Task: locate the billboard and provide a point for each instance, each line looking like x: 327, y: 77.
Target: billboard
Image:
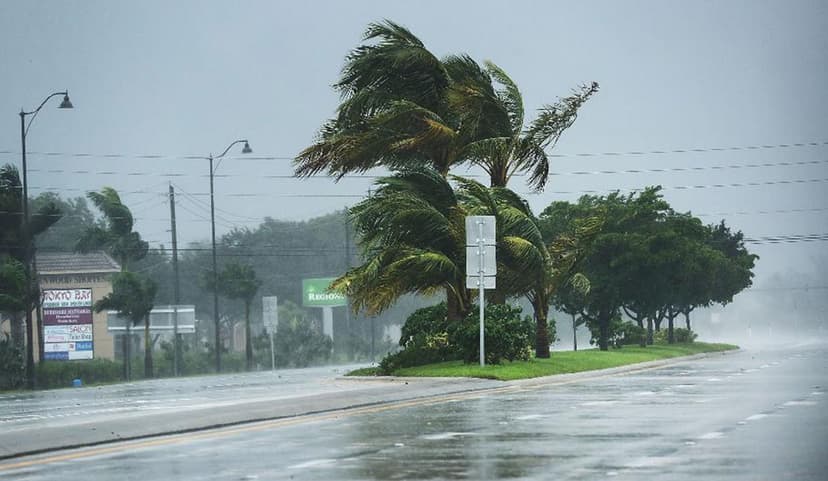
x: 315, y: 294
x: 67, y: 324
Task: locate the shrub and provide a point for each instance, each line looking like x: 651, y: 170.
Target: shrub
x: 680, y: 334
x: 51, y: 374
x: 507, y: 335
x: 426, y: 321
x: 630, y: 334
x: 424, y: 339
x: 12, y: 365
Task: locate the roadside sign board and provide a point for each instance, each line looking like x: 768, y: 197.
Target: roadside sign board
x: 270, y: 313
x: 315, y: 293
x: 67, y: 324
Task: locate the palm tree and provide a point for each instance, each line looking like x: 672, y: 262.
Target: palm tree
x: 133, y: 297
x: 522, y: 150
x: 115, y: 235
x: 403, y: 107
x: 412, y: 235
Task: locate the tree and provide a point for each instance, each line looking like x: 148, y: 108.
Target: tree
x: 115, y: 236
x: 238, y: 281
x: 133, y: 296
x: 76, y: 218
x: 524, y: 149
x: 404, y: 107
x: 15, y: 242
x: 412, y: 235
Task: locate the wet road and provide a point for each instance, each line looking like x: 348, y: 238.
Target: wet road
x: 752, y: 415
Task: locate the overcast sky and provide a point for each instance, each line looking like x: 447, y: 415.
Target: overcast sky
x: 180, y: 79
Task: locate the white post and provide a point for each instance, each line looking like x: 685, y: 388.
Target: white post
x: 481, y: 301
x: 272, y: 354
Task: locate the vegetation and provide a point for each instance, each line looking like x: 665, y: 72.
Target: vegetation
x: 560, y: 363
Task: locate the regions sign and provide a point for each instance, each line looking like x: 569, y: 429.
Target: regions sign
x: 315, y: 294
x: 67, y: 324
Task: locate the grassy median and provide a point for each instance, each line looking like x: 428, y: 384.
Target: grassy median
x: 558, y: 363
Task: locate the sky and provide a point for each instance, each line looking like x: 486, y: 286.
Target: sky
x: 700, y: 97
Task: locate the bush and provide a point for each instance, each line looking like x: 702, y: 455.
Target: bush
x: 52, y: 374
x: 507, y: 335
x: 424, y: 339
x: 12, y: 365
x: 427, y: 322
x: 630, y: 334
x: 680, y: 334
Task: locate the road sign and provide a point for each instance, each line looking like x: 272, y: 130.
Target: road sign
x: 270, y: 313
x: 481, y: 263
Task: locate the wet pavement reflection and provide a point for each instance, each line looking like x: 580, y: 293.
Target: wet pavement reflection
x: 750, y: 415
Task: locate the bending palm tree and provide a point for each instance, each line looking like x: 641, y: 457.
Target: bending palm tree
x: 412, y: 234
x: 116, y: 235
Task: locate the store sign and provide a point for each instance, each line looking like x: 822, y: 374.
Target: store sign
x: 67, y: 324
x: 315, y: 294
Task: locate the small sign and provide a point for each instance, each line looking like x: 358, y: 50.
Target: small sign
x: 480, y: 229
x: 270, y: 313
x: 473, y: 261
x: 473, y: 282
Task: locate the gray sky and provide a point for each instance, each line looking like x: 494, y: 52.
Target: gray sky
x: 178, y: 79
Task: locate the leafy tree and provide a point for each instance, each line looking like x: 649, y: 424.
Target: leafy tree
x: 115, y: 236
x: 238, y: 281
x: 76, y: 218
x: 133, y: 297
x: 17, y: 244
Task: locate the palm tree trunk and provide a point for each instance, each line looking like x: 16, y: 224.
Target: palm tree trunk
x: 248, y: 341
x: 147, y: 349
x: 541, y: 308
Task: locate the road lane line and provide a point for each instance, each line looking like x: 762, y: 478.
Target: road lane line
x: 254, y: 426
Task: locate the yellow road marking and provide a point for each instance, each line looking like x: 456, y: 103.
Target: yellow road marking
x: 164, y: 440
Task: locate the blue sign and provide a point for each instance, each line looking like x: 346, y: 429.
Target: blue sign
x: 83, y: 346
x: 56, y: 356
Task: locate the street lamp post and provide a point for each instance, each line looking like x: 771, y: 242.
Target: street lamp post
x: 245, y: 150
x: 28, y: 244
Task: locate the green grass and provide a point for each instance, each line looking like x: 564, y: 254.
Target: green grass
x: 558, y: 363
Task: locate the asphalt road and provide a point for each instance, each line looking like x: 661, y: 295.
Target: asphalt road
x: 751, y: 415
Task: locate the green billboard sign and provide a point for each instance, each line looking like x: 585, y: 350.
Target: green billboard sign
x: 315, y: 294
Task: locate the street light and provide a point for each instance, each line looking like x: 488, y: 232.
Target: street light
x: 245, y: 150
x: 28, y: 249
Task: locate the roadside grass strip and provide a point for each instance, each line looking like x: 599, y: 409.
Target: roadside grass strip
x: 559, y: 362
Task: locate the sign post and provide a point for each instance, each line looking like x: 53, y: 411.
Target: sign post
x: 270, y: 316
x: 315, y: 293
x: 481, y: 264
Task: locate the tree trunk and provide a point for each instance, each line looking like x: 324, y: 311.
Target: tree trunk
x: 687, y: 320
x: 541, y: 327
x: 642, y: 339
x: 147, y: 349
x: 126, y: 351
x: 650, y: 331
x: 248, y: 341
x: 671, y: 337
x: 574, y: 332
x: 659, y: 317
x: 18, y: 329
x: 454, y: 311
x: 603, y: 335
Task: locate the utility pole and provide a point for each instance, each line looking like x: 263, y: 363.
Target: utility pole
x: 176, y: 293
x: 347, y: 268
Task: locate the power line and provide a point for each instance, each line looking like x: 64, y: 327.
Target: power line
x: 690, y: 169
x: 563, y: 155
